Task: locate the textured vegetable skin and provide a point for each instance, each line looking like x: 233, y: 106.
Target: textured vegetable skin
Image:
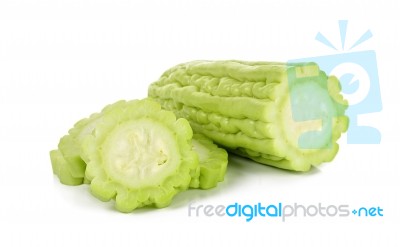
x: 259, y: 109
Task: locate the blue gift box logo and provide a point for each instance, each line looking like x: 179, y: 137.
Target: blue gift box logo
x: 358, y: 75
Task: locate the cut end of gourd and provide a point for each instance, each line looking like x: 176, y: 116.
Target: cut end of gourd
x: 307, y: 116
x: 312, y: 120
x: 139, y: 155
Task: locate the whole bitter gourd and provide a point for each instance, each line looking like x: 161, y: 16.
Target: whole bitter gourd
x: 285, y: 115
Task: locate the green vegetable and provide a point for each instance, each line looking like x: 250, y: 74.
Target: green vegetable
x: 285, y: 115
x: 69, y: 155
x: 138, y: 154
x: 69, y: 152
x: 61, y: 169
x: 212, y: 161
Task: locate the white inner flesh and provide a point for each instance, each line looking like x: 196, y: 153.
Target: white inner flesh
x: 201, y: 150
x: 140, y: 153
x: 88, y: 128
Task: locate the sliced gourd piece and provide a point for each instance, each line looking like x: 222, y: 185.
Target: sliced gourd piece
x: 140, y: 155
x: 59, y: 165
x: 70, y: 145
x: 212, y: 161
x: 70, y: 151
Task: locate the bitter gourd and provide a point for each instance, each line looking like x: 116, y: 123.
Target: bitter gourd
x: 138, y: 154
x: 212, y: 161
x: 69, y: 165
x: 68, y: 155
x: 61, y: 169
x: 285, y: 115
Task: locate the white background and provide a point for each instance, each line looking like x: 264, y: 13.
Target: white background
x: 62, y: 60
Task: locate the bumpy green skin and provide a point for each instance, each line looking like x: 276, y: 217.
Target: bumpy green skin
x: 128, y: 197
x: 239, y: 105
x: 212, y: 161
